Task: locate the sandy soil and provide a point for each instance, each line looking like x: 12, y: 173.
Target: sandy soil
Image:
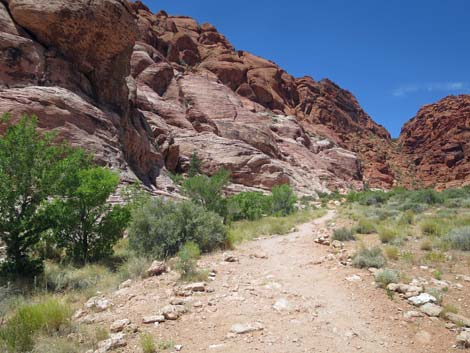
x: 318, y: 309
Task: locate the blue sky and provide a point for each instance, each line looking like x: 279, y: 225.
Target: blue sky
x: 393, y: 55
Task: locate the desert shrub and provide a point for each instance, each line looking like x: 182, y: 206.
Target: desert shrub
x: 432, y: 226
x: 365, y: 226
x: 187, y: 260
x: 391, y: 252
x: 206, y: 191
x: 49, y: 316
x: 133, y: 267
x: 159, y: 228
x: 449, y: 308
x: 459, y: 238
x: 426, y: 196
x: 56, y: 344
x: 368, y: 198
x: 65, y: 277
x: 343, y: 234
x: 413, y: 206
x: 147, y: 343
x: 369, y: 258
x: 408, y: 257
x: 387, y: 234
x: 407, y: 217
x: 248, y: 205
x: 426, y: 245
x: 386, y: 276
x: 283, y: 200
x: 434, y: 257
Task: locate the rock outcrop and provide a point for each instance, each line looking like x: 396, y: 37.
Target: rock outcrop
x: 143, y: 91
x: 437, y: 143
x: 69, y: 64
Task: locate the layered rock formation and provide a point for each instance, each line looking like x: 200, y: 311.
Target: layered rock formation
x: 437, y: 143
x: 69, y: 64
x: 144, y: 91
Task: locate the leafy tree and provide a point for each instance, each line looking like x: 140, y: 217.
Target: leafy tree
x: 207, y: 191
x: 31, y: 169
x: 250, y: 205
x: 283, y: 200
x: 85, y: 224
x: 194, y: 165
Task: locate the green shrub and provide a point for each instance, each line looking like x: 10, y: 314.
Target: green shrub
x: 387, y: 234
x: 343, y: 234
x: 61, y: 278
x: 386, y: 276
x: 187, y: 260
x: 369, y: 258
x: 283, y: 200
x: 434, y: 257
x: 408, y: 257
x: 147, y: 343
x: 413, y: 206
x: 133, y: 267
x: 426, y: 196
x: 159, y: 228
x: 436, y: 293
x: 56, y: 344
x: 248, y: 205
x: 194, y: 165
x: 391, y: 252
x: 459, y: 238
x: 207, y: 191
x: 365, y: 226
x: 407, y: 217
x: 432, y: 226
x: 49, y: 316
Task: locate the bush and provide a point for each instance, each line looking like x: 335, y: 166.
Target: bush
x: 426, y: 245
x: 386, y: 276
x: 459, y: 238
x: 187, y: 260
x: 369, y: 258
x: 207, y: 191
x: 49, y: 316
x: 391, y: 252
x: 147, y: 343
x: 62, y: 278
x: 365, y: 226
x: 159, y: 228
x: 283, y: 200
x: 436, y: 293
x: 426, y: 196
x: 194, y: 165
x: 248, y: 205
x: 369, y: 198
x: 343, y: 234
x: 431, y: 226
x: 387, y: 234
x: 407, y: 217
x: 133, y: 267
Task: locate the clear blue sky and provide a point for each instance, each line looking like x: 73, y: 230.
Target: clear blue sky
x: 393, y: 55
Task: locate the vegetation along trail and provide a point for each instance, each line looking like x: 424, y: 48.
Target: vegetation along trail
x: 281, y: 294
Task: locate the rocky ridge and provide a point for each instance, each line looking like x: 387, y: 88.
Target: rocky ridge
x: 147, y: 93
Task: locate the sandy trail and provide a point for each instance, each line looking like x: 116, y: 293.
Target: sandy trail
x: 317, y: 309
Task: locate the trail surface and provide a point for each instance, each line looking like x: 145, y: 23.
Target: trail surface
x: 302, y: 304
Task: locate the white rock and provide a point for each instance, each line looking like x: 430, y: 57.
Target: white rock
x: 196, y: 287
x: 463, y: 339
x: 421, y: 299
x: 98, y: 304
x: 431, y: 309
x: 153, y: 319
x: 411, y: 314
x: 281, y: 305
x: 178, y: 347
x: 116, y: 340
x: 119, y: 325
x: 240, y: 329
x: 354, y: 278
x: 125, y: 284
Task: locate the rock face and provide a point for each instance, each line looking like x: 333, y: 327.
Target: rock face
x: 437, y: 142
x: 143, y: 91
x: 68, y: 63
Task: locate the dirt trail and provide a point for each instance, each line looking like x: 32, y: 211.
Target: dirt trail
x: 317, y: 309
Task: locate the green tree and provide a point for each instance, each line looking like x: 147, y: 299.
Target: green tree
x: 283, y: 200
x: 194, y: 165
x: 31, y: 169
x: 84, y: 222
x: 207, y: 191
